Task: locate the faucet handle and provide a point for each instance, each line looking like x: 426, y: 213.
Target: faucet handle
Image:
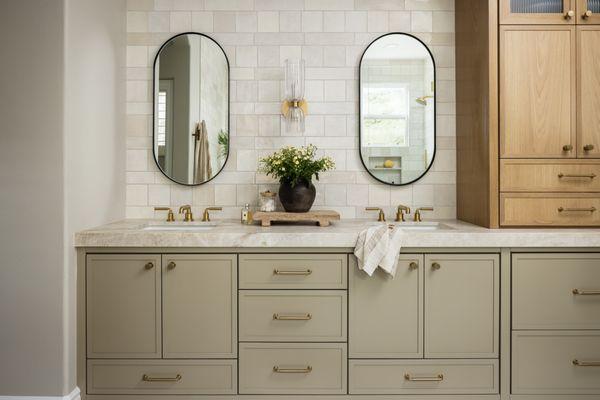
x: 170, y: 215
x: 206, y: 215
x: 381, y: 216
x: 400, y: 212
x: 418, y: 212
x: 187, y: 209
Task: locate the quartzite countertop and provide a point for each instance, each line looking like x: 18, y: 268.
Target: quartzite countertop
x: 341, y: 234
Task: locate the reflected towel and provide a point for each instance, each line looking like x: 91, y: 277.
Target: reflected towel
x: 203, y: 170
x: 378, y: 247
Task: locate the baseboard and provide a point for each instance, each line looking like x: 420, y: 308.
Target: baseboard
x: 74, y: 395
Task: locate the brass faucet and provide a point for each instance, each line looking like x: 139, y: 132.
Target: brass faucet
x: 170, y: 216
x: 206, y: 215
x: 418, y: 212
x: 188, y: 216
x: 381, y: 217
x: 400, y: 212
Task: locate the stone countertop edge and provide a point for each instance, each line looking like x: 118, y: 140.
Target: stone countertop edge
x: 342, y: 234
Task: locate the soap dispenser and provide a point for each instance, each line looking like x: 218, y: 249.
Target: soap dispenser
x: 246, y: 215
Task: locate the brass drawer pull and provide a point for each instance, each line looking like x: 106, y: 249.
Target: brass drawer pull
x: 586, y: 292
x: 590, y: 209
x: 279, y: 370
x: 434, y: 378
x: 579, y: 363
x: 588, y: 147
x: 148, y: 378
x: 589, y: 176
x: 296, y: 317
x: 435, y: 266
x: 567, y: 147
x: 292, y: 272
x: 149, y: 265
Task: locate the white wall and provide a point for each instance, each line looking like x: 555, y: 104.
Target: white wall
x: 257, y: 35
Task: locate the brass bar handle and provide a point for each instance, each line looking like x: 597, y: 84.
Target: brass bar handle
x: 589, y: 176
x: 148, y: 378
x: 434, y: 378
x: 292, y: 317
x: 579, y: 292
x: 292, y: 272
x: 171, y: 265
x: 579, y: 363
x: 590, y: 209
x: 435, y: 266
x: 149, y: 265
x: 279, y: 370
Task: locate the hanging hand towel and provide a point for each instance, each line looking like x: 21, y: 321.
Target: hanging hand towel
x: 378, y: 247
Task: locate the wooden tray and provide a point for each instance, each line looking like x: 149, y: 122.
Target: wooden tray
x: 321, y: 217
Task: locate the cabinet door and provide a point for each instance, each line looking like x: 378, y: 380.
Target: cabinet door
x: 588, y: 88
x: 461, y: 305
x: 537, y: 12
x: 385, y: 314
x: 537, y: 92
x: 199, y: 306
x: 123, y: 306
x: 588, y: 12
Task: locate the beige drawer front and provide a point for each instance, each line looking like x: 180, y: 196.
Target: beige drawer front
x: 544, y: 362
x: 293, y: 271
x: 161, y: 377
x: 538, y: 209
x: 292, y: 368
x: 292, y: 315
x: 556, y: 291
x: 423, y: 377
x: 549, y: 176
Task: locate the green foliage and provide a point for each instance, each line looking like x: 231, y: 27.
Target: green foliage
x: 292, y: 164
x: 223, y: 140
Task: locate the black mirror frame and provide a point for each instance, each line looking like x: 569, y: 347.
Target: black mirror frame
x: 360, y: 110
x: 154, y: 155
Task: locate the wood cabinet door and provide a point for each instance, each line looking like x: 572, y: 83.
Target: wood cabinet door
x: 551, y: 12
x: 588, y: 12
x: 588, y: 91
x: 537, y: 92
x: 199, y: 306
x: 385, y: 313
x: 123, y: 305
x: 461, y: 305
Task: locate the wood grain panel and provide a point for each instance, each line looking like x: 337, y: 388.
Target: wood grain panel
x: 541, y: 209
x: 588, y: 91
x: 549, y: 175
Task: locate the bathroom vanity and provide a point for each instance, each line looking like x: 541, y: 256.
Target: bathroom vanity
x: 230, y: 311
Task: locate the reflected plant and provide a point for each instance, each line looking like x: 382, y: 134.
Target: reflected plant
x: 223, y: 141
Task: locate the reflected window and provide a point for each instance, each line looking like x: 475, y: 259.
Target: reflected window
x: 162, y: 118
x: 385, y: 115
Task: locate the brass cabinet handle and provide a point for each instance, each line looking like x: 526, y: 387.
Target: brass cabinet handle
x: 569, y: 14
x: 434, y: 378
x: 587, y: 14
x: 588, y: 147
x: 589, y: 176
x: 148, y: 378
x: 292, y: 272
x: 149, y: 265
x: 171, y: 265
x: 435, y: 266
x: 590, y: 209
x: 306, y: 370
x: 413, y: 265
x: 292, y: 317
x: 579, y: 363
x: 578, y: 292
x: 567, y: 147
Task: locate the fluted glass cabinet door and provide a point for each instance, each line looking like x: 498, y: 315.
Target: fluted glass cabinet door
x: 537, y: 12
x: 588, y: 12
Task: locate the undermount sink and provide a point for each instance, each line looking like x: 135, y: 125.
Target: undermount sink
x: 181, y: 227
x: 420, y: 226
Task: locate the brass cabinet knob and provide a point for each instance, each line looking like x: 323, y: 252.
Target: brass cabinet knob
x: 413, y: 265
x: 171, y: 265
x: 567, y: 147
x: 587, y: 14
x: 569, y: 14
x: 588, y: 147
x: 435, y: 266
x: 149, y: 265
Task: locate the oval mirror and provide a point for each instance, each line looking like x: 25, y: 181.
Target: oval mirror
x: 191, y: 108
x: 397, y: 109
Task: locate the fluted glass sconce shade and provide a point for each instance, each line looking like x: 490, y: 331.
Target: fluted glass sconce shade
x: 294, y: 106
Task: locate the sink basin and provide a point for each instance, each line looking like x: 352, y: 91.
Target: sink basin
x: 420, y: 226
x: 181, y: 227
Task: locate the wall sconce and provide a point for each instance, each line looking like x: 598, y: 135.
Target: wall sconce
x: 294, y: 107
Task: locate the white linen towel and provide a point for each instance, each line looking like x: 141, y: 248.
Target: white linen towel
x: 378, y: 247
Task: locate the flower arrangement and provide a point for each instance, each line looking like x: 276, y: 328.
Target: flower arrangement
x: 292, y: 165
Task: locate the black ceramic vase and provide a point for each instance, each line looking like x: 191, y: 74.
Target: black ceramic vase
x: 297, y: 198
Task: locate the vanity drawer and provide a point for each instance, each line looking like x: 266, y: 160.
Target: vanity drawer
x: 561, y: 362
x: 556, y: 291
x: 292, y: 315
x: 549, y: 176
x: 161, y: 377
x: 423, y: 377
x: 552, y: 209
x: 293, y: 271
x: 292, y: 368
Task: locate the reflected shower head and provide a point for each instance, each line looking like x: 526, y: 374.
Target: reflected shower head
x: 423, y: 100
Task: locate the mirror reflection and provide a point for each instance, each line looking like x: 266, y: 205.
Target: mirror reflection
x: 191, y: 109
x: 397, y: 109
